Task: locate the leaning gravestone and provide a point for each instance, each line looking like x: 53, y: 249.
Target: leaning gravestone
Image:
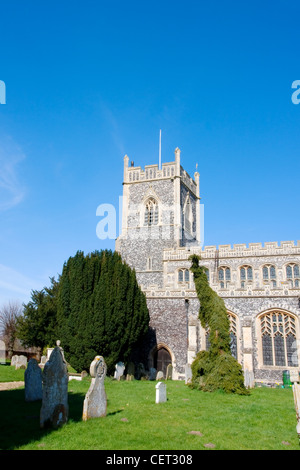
x: 120, y: 367
x: 33, y: 381
x: 95, y: 402
x: 161, y: 392
x: 55, y: 408
x: 21, y: 362
x: 169, y: 372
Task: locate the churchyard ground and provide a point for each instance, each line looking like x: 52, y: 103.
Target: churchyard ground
x: 189, y: 420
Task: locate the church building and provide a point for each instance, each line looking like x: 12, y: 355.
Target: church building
x: 260, y: 284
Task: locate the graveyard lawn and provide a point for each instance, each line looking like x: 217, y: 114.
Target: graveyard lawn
x: 188, y: 420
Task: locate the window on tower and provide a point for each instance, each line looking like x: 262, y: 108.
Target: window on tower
x: 151, y: 212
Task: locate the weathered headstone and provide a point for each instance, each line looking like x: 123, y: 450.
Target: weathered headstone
x: 152, y: 373
x: 55, y: 408
x: 21, y: 362
x: 95, y: 402
x: 2, y: 352
x: 188, y: 373
x: 120, y: 367
x: 161, y: 392
x: 160, y: 375
x: 169, y: 374
x: 33, y: 381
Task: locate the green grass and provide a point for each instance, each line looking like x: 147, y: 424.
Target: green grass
x: 265, y: 420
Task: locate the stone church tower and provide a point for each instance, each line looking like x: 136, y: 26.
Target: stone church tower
x: 260, y: 285
x: 161, y: 210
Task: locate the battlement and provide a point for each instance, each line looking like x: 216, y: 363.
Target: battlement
x: 136, y: 174
x: 236, y: 250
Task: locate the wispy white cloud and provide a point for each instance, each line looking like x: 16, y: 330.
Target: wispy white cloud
x: 11, y: 190
x: 14, y: 284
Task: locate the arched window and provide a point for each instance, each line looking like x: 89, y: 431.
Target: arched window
x: 151, y: 212
x: 269, y: 274
x: 183, y: 275
x: 224, y: 275
x: 293, y: 275
x: 278, y: 339
x: 246, y: 274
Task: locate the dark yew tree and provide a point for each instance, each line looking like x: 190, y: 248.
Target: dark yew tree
x: 215, y: 369
x: 37, y: 327
x: 101, y: 309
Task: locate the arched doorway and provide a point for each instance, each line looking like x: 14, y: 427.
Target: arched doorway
x: 162, y: 359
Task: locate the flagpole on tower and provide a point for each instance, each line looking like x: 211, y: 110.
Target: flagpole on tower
x: 159, y: 166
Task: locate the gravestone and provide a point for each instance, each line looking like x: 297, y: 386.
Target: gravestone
x: 120, y: 367
x: 169, y: 373
x: 55, y: 408
x: 93, y: 366
x: 160, y: 375
x: 95, y: 402
x: 152, y: 373
x: 188, y: 374
x: 161, y: 392
x: 2, y: 352
x: 21, y: 362
x: 33, y: 381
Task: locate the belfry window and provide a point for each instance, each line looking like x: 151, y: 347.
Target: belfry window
x: 293, y: 275
x: 151, y: 212
x: 278, y: 339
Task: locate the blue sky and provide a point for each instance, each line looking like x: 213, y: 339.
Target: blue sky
x: 88, y: 82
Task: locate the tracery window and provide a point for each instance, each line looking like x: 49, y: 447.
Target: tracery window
x: 293, y: 275
x: 151, y: 212
x: 278, y: 336
x: 183, y: 275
